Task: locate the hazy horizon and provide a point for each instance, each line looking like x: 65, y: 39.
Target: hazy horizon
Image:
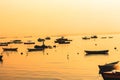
x: 56, y: 17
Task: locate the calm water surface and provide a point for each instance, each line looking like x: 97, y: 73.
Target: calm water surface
x: 65, y: 62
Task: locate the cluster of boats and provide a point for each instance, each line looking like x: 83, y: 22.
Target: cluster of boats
x: 15, y: 42
x: 92, y: 37
x: 95, y: 37
x: 61, y: 40
x: 109, y: 72
x: 39, y: 47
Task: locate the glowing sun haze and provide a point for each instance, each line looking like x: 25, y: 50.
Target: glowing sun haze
x: 59, y: 16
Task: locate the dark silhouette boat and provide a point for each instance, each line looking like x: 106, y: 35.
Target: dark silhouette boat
x: 3, y: 44
x: 9, y: 49
x: 111, y: 75
x: 35, y: 49
x: 38, y: 47
x: 47, y: 38
x: 97, y: 52
x: 94, y: 37
x: 107, y: 67
x: 40, y: 40
x: 17, y: 41
x: 62, y: 40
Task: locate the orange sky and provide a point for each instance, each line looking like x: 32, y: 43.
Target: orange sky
x: 59, y: 16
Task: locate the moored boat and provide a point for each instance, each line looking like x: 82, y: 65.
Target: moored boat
x: 111, y: 75
x: 34, y: 49
x: 85, y: 38
x: 17, y: 41
x: 9, y: 49
x: 47, y: 38
x: 29, y: 42
x: 107, y: 67
x: 40, y: 40
x: 97, y: 51
x: 62, y: 40
x: 94, y: 37
x: 3, y: 44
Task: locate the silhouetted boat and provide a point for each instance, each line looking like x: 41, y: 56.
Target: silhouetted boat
x: 107, y: 67
x: 43, y: 46
x: 9, y: 49
x: 111, y: 75
x: 85, y: 38
x: 40, y: 39
x: 97, y: 51
x: 62, y: 40
x: 34, y: 49
x: 3, y: 44
x: 17, y: 41
x: 39, y: 47
x: 94, y: 36
x: 47, y: 38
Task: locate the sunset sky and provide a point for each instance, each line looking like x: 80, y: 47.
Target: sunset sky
x: 59, y: 16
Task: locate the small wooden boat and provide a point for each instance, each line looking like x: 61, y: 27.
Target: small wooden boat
x: 3, y: 44
x: 47, y: 38
x: 107, y: 67
x: 111, y: 75
x: 97, y: 51
x: 9, y: 49
x: 17, y: 41
x: 34, y: 49
x: 40, y: 40
x: 94, y: 37
x: 85, y: 38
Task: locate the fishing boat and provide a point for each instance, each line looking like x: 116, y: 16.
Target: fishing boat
x: 97, y: 51
x: 47, y: 38
x: 94, y: 37
x: 3, y: 44
x: 107, y: 67
x: 85, y: 38
x: 40, y: 40
x: 9, y: 49
x: 34, y: 49
x: 17, y: 41
x: 111, y: 75
x: 62, y: 40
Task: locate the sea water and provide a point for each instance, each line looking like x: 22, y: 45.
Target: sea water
x: 64, y: 62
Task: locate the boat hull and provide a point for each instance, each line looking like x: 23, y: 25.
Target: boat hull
x: 34, y: 49
x: 111, y: 75
x: 29, y: 43
x: 107, y: 67
x: 97, y: 52
x: 10, y: 49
